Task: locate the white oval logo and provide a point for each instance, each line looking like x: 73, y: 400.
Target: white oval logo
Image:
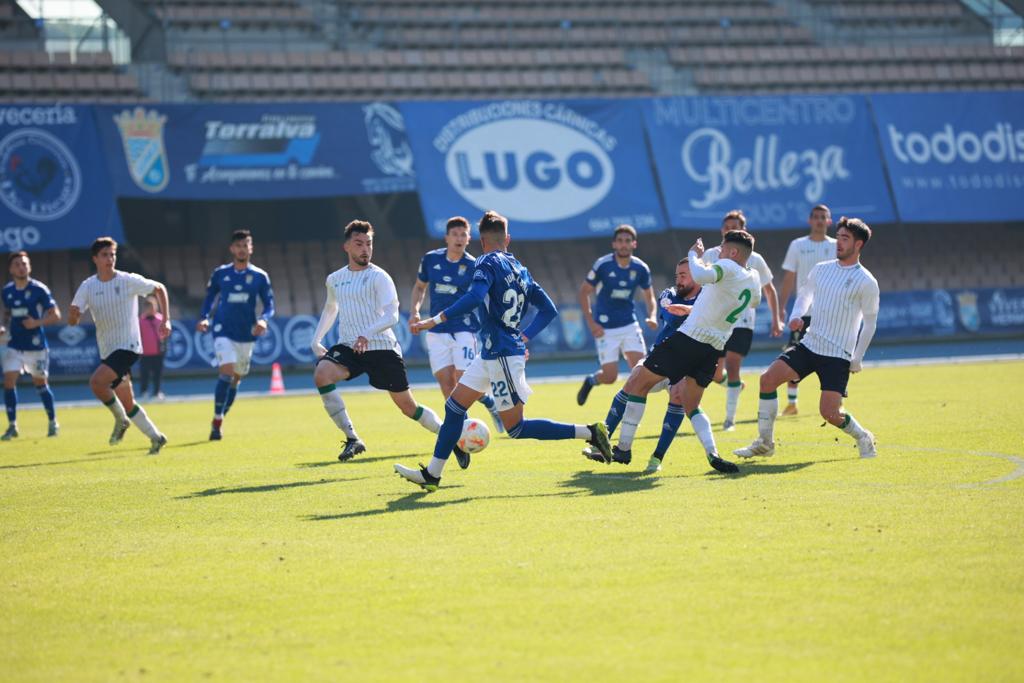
x: 529, y: 170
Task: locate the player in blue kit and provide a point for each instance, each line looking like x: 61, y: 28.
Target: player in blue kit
x: 674, y: 304
x: 235, y: 287
x: 504, y: 286
x: 28, y: 307
x: 446, y: 273
x: 613, y: 280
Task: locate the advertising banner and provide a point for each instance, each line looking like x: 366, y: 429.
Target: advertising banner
x: 249, y: 151
x: 954, y: 156
x: 54, y: 188
x: 772, y: 157
x: 554, y: 168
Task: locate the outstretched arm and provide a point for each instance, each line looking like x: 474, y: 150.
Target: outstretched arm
x: 327, y: 318
x: 466, y: 303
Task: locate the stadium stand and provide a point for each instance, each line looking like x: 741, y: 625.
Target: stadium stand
x: 33, y: 75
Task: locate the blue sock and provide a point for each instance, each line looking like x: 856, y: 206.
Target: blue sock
x: 673, y: 419
x: 230, y: 400
x: 591, y: 379
x: 545, y: 430
x: 487, y: 401
x: 451, y: 429
x: 220, y: 394
x: 46, y: 396
x: 614, y: 416
x: 11, y: 401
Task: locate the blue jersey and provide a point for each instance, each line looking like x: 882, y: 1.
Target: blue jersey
x: 236, y: 309
x: 670, y: 323
x: 509, y: 287
x: 447, y: 281
x: 32, y: 302
x: 616, y: 287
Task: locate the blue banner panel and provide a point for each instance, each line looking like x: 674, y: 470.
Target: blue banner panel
x: 954, y: 156
x: 772, y: 157
x: 951, y: 312
x: 249, y: 151
x: 555, y: 169
x: 54, y: 189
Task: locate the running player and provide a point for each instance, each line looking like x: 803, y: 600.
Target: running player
x: 614, y: 279
x: 505, y: 287
x: 235, y: 287
x: 674, y: 305
x: 451, y: 346
x: 729, y: 288
x: 844, y: 294
x: 738, y: 346
x: 363, y: 298
x: 113, y: 297
x: 803, y: 254
x: 28, y: 307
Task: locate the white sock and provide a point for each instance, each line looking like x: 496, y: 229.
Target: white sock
x: 631, y: 417
x: 732, y: 399
x: 436, y: 466
x: 791, y: 394
x: 702, y: 427
x: 335, y: 407
x: 582, y: 432
x: 143, y: 422
x: 428, y: 418
x: 852, y: 427
x: 117, y: 409
x: 767, y: 409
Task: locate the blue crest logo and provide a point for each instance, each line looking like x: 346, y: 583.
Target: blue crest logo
x: 967, y: 306
x: 385, y: 130
x: 39, y: 177
x: 142, y: 134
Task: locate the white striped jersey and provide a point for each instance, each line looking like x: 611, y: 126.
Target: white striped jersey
x: 115, y: 309
x: 756, y: 263
x: 841, y: 297
x: 803, y: 254
x: 729, y: 289
x: 367, y: 307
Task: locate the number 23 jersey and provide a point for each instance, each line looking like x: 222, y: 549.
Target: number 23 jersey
x: 721, y: 303
x: 509, y: 288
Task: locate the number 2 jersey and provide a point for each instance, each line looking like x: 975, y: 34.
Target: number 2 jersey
x: 728, y: 290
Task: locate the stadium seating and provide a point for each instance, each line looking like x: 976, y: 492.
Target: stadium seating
x: 33, y: 75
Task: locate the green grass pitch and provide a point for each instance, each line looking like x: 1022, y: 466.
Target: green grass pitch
x: 263, y: 558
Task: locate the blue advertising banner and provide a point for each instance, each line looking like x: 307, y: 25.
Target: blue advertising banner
x: 249, y: 151
x: 772, y: 157
x: 555, y: 169
x: 954, y: 156
x: 54, y: 189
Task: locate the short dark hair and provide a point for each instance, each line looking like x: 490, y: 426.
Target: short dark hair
x: 820, y: 207
x: 740, y: 238
x: 456, y: 222
x: 240, y: 235
x: 15, y: 254
x: 856, y: 227
x: 736, y: 214
x: 358, y: 226
x: 626, y: 228
x: 493, y: 222
x: 101, y: 243
x: 685, y: 259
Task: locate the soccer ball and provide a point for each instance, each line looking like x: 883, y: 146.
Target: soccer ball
x: 475, y: 436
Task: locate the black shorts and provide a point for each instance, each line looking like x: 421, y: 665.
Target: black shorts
x: 121, y: 362
x: 795, y: 337
x: 386, y: 369
x: 739, y: 341
x: 680, y: 356
x: 833, y: 373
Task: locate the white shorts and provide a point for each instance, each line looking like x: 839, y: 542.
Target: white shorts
x: 229, y: 351
x: 444, y: 349
x: 35, y: 363
x: 620, y: 340
x: 504, y: 378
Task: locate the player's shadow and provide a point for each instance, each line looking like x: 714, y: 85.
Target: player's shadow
x: 79, y: 461
x: 359, y: 459
x: 421, y: 500
x: 749, y: 469
x: 608, y: 483
x: 265, y: 488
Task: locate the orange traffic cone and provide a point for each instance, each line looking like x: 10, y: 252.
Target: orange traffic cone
x: 276, y: 379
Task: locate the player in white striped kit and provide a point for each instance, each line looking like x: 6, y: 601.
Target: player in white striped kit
x: 363, y: 298
x: 693, y: 351
x: 844, y: 294
x: 803, y: 254
x: 113, y: 297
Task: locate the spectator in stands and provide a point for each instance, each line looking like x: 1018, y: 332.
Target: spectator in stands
x: 151, y: 364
